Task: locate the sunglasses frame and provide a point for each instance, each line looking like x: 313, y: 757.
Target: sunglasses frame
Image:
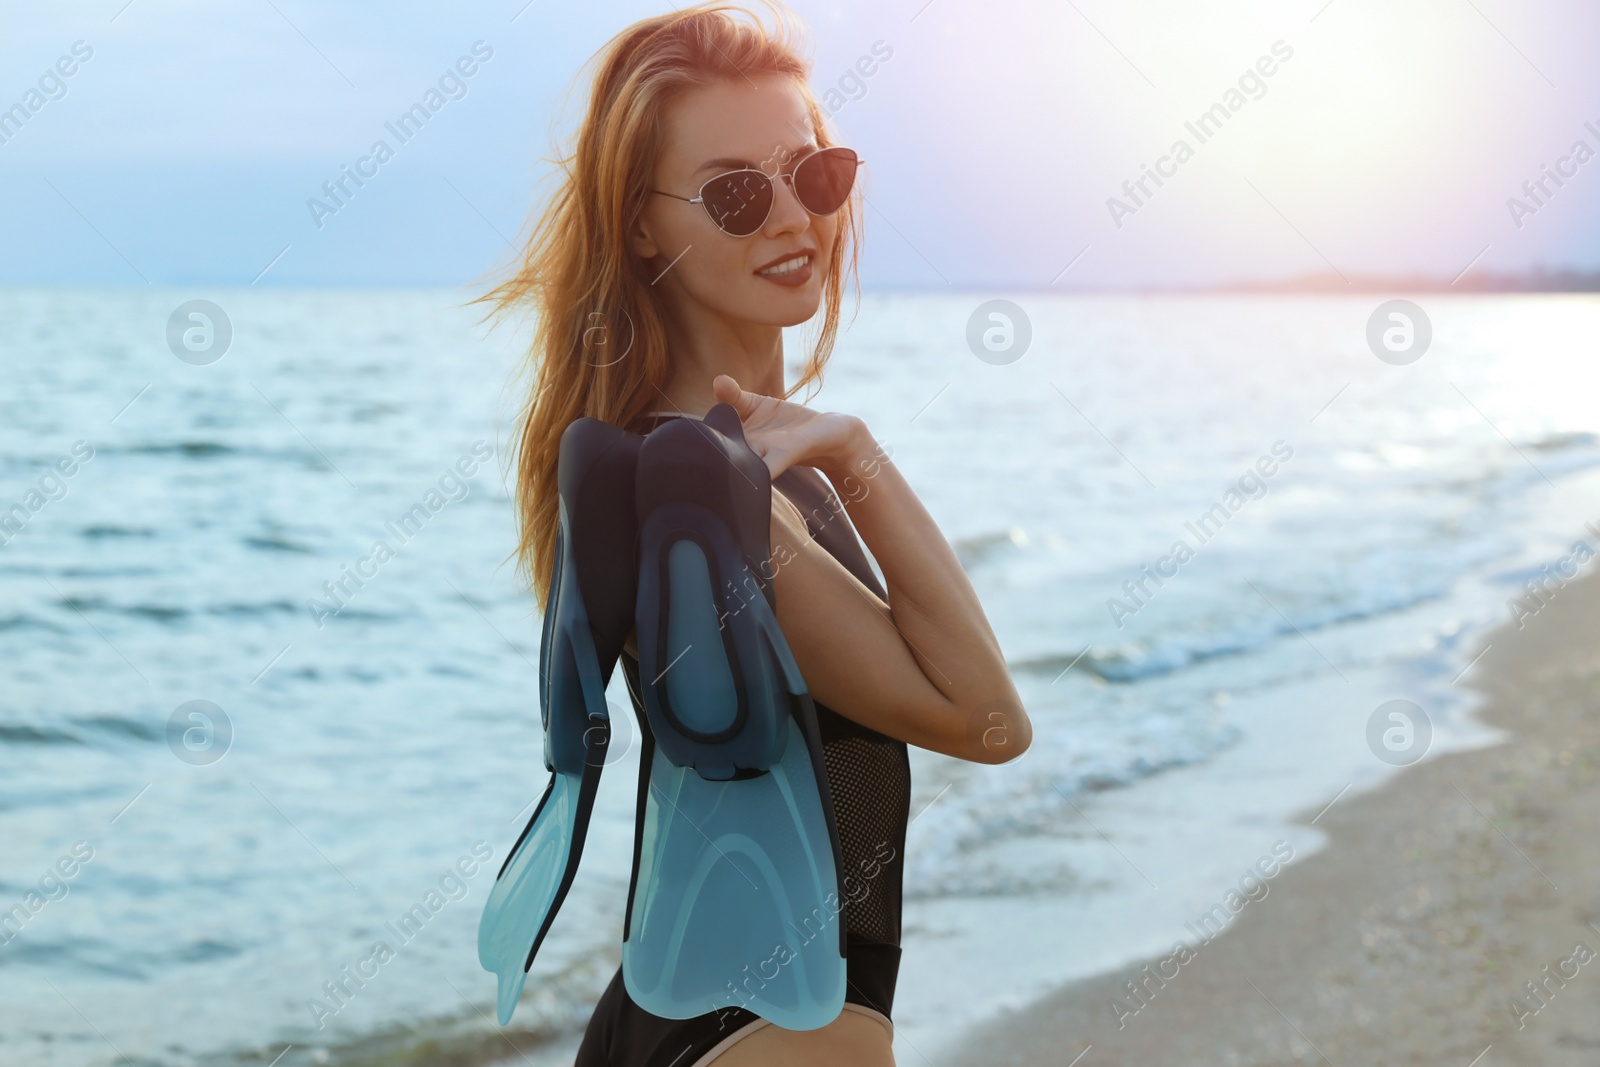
x: 699, y: 197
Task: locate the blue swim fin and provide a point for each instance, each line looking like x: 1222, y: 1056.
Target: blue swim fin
x: 735, y: 893
x: 588, y: 614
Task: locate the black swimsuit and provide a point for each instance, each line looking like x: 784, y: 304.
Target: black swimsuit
x: 870, y: 779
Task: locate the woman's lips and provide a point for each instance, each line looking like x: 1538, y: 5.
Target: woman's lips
x: 790, y: 279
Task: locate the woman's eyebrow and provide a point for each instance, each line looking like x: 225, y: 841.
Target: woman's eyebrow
x: 728, y: 163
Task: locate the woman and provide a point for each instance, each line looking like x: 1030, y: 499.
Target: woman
x: 662, y: 282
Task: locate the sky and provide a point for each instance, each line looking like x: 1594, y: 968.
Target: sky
x: 1005, y: 141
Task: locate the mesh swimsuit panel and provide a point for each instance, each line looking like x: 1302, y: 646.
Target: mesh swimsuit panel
x: 869, y: 775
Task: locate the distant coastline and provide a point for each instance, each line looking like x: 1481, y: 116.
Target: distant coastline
x: 1535, y: 281
x: 1326, y: 283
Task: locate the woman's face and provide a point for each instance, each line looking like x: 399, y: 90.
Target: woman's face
x: 760, y: 123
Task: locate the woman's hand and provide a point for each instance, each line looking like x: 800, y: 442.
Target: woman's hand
x: 785, y: 434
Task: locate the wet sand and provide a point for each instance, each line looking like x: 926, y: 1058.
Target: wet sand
x: 1454, y: 918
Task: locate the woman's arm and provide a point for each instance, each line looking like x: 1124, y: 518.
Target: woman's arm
x: 925, y: 666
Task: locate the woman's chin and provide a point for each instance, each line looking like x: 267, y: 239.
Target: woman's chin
x: 785, y: 307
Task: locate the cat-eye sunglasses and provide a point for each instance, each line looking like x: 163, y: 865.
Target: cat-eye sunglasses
x: 739, y: 201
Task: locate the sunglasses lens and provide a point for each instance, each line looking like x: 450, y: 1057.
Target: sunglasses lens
x: 739, y: 202
x: 823, y: 179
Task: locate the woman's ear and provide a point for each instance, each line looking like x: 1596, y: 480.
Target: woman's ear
x: 640, y: 241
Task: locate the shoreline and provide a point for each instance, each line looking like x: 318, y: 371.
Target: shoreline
x: 1458, y: 888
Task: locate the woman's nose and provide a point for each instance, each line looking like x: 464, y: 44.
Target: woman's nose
x: 786, y: 206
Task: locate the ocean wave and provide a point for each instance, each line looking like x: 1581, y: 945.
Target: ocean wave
x: 948, y: 858
x: 1137, y: 660
x: 202, y: 950
x: 187, y: 449
x: 1558, y: 442
x: 162, y: 613
x: 108, y: 572
x: 25, y: 621
x: 209, y: 451
x: 553, y: 1008
x: 79, y: 730
x: 170, y: 614
x: 273, y: 543
x: 118, y: 726
x: 982, y: 548
x: 1243, y: 614
x: 264, y: 607
x: 30, y: 734
x: 104, y: 531
x: 94, y: 956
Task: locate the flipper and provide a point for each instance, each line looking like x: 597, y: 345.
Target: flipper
x: 735, y: 893
x: 587, y: 617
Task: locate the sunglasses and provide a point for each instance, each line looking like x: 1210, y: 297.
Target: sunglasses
x: 739, y: 201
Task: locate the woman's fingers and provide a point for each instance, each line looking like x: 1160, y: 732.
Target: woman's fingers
x: 759, y: 431
x: 778, y: 460
x: 728, y: 391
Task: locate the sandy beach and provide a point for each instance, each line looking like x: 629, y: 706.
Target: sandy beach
x: 1454, y: 918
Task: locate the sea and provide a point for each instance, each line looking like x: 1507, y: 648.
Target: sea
x: 269, y: 690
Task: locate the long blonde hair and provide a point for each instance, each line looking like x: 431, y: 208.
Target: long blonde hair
x: 590, y: 295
